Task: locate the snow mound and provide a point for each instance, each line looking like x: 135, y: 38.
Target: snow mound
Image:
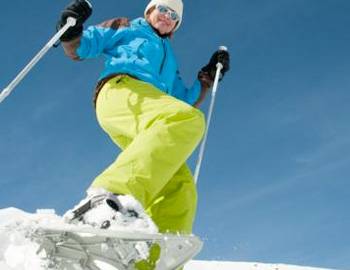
x: 18, y: 252
x: 213, y: 265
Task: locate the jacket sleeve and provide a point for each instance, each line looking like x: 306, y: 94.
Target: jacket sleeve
x: 189, y: 95
x: 95, y: 39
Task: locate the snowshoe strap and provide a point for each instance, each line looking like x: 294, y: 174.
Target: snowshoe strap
x: 111, y: 200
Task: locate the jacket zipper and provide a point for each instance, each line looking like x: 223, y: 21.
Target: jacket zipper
x: 164, y: 56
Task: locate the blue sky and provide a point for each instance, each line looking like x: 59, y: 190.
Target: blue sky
x: 274, y: 185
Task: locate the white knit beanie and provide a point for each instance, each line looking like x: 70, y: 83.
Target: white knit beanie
x: 175, y: 5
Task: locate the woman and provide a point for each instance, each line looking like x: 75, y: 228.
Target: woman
x: 143, y: 105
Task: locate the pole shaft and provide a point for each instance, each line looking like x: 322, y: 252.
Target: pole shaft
x: 6, y: 91
x: 211, y: 109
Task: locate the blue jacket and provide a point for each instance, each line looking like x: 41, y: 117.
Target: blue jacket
x: 137, y: 50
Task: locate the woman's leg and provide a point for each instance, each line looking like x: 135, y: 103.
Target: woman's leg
x: 175, y: 209
x: 159, y: 131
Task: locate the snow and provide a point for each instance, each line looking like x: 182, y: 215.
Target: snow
x: 18, y: 252
x: 122, y: 221
x: 212, y: 265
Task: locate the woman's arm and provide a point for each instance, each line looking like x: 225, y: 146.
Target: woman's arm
x: 206, y: 84
x: 92, y: 42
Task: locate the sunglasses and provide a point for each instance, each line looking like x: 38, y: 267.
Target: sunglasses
x: 165, y: 10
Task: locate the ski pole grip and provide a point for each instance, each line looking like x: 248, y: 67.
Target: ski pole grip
x: 219, y: 66
x: 71, y: 21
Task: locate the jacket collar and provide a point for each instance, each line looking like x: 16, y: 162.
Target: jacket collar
x: 143, y: 22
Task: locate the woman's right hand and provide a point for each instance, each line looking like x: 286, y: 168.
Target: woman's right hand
x: 81, y: 11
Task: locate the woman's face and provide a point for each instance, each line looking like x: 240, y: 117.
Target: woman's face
x: 161, y: 21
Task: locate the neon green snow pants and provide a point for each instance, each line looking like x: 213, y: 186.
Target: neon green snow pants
x: 157, y: 133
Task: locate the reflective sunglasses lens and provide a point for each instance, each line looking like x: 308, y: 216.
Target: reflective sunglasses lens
x: 174, y: 16
x: 162, y: 9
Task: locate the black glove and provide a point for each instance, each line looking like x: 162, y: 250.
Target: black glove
x: 221, y: 56
x: 78, y: 9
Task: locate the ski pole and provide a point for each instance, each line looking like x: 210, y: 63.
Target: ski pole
x: 6, y: 91
x: 219, y: 67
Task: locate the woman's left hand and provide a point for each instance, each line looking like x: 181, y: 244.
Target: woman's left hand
x: 221, y: 56
x: 206, y: 75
